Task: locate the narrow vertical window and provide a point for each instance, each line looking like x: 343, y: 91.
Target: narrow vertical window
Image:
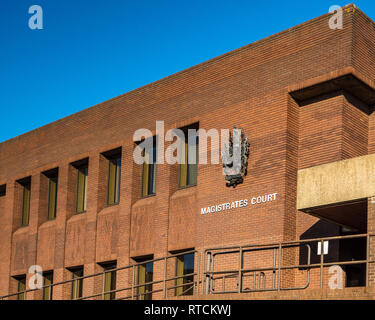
x: 21, y: 287
x: 25, y: 213
x: 184, y: 272
x: 3, y: 189
x: 47, y: 285
x: 52, y: 193
x: 149, y: 171
x: 188, y: 165
x: 77, y: 283
x: 145, y: 275
x: 82, y: 174
x: 114, y: 176
x: 109, y: 281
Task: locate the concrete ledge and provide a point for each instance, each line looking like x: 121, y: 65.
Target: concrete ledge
x: 336, y: 182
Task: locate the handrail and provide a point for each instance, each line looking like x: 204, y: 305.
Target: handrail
x: 277, y: 267
x: 204, y: 274
x: 241, y: 270
x: 102, y: 273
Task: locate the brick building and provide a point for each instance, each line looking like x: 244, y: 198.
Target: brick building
x: 73, y: 201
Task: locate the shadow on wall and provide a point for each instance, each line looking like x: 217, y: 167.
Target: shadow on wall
x: 336, y: 250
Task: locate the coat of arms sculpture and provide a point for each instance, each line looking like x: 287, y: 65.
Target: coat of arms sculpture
x: 235, y: 158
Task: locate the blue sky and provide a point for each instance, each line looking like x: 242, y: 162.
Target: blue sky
x: 90, y: 51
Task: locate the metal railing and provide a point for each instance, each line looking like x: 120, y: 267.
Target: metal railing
x: 211, y: 276
x: 261, y: 283
x: 231, y: 277
x: 132, y: 288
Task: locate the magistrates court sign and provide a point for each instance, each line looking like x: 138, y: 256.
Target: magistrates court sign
x: 239, y: 203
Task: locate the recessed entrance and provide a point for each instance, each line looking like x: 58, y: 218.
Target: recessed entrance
x: 341, y: 219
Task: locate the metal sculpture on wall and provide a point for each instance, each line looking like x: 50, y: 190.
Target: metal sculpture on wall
x: 235, y: 158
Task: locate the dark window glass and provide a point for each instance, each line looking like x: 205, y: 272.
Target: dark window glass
x: 184, y: 270
x: 3, y: 190
x: 109, y: 281
x: 149, y: 172
x: 145, y: 275
x: 21, y: 287
x: 82, y: 174
x: 52, y: 195
x: 114, y: 176
x: 48, y: 281
x: 77, y: 284
x: 26, y: 189
x: 189, y: 164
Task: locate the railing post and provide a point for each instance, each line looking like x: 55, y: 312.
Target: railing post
x: 240, y: 271
x: 103, y: 285
x: 196, y: 288
x: 274, y: 269
x: 165, y: 278
x: 207, y: 278
x: 279, y: 266
x: 212, y: 266
x: 367, y: 259
x: 202, y: 272
x: 321, y: 263
x: 133, y: 280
